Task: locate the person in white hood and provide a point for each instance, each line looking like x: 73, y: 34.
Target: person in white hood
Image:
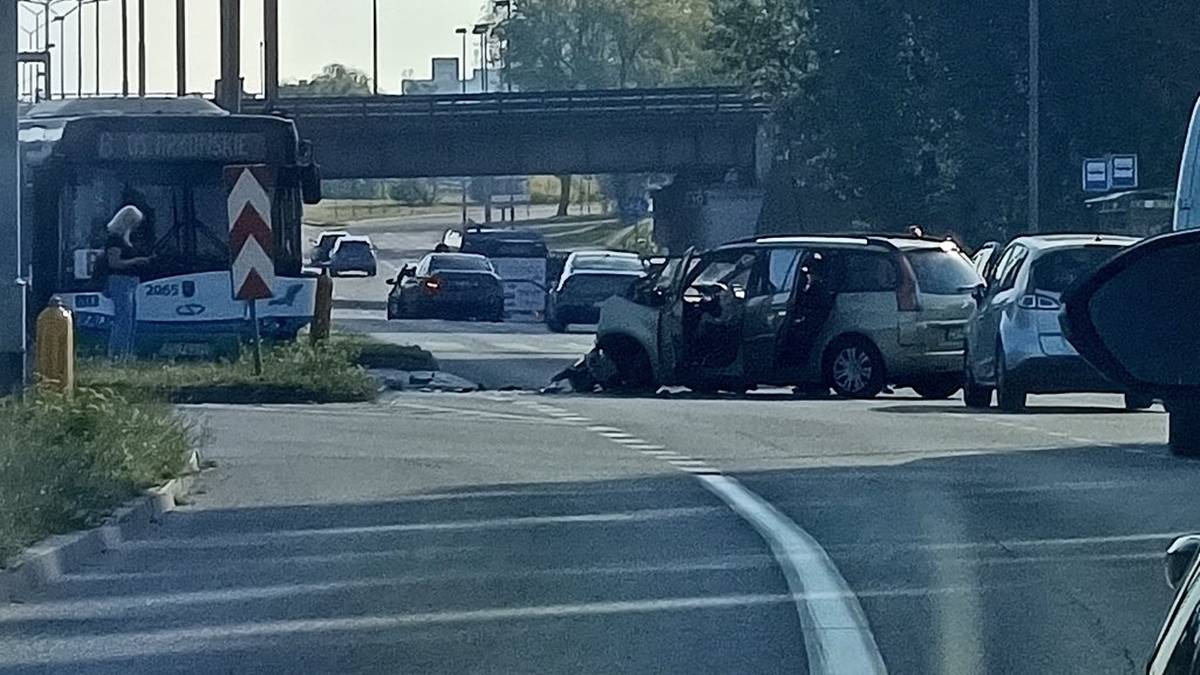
x: 123, y: 268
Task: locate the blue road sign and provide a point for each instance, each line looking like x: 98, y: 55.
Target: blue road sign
x: 1123, y: 172
x: 1096, y: 176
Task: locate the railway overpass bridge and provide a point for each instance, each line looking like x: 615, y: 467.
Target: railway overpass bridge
x: 700, y: 131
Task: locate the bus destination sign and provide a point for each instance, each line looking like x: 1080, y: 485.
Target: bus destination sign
x: 151, y: 146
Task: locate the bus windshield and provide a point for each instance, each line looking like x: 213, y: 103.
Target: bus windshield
x: 185, y: 227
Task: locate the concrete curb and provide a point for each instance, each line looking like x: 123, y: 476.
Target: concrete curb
x: 49, y: 559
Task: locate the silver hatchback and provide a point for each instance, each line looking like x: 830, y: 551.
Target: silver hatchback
x: 1015, y: 344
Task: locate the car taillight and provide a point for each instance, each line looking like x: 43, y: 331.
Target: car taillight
x: 432, y: 285
x: 906, y: 288
x: 1037, y: 301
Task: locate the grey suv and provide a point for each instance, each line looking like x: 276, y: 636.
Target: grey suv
x: 855, y: 313
x: 1015, y: 344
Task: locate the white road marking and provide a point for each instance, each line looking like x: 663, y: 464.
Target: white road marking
x: 837, y: 637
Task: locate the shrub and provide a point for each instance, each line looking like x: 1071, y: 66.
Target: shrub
x: 65, y: 462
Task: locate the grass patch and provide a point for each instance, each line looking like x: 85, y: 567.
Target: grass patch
x: 66, y: 462
x: 372, y: 353
x: 292, y: 373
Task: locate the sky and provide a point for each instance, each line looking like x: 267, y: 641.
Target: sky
x: 313, y: 33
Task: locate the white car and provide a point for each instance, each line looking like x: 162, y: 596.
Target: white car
x: 1015, y: 345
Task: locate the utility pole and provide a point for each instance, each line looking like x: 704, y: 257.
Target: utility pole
x: 125, y: 47
x: 78, y: 48
x: 180, y: 48
x: 97, y: 49
x: 62, y: 55
x: 229, y: 87
x: 1034, y: 115
x: 271, y: 51
x: 12, y: 285
x: 463, y: 80
x: 142, y: 48
x: 375, y: 46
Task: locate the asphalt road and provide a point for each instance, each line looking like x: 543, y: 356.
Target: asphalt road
x: 511, y: 532
x: 516, y: 354
x: 505, y: 532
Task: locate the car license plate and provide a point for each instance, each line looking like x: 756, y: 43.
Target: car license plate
x: 955, y: 334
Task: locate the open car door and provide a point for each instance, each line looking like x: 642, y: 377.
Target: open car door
x: 672, y: 351
x: 1137, y: 320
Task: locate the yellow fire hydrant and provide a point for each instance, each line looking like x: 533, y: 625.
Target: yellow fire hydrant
x: 55, y: 366
x: 322, y: 308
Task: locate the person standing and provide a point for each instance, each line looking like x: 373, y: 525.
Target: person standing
x: 124, y: 269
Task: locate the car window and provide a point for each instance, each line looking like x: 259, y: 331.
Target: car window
x: 732, y: 268
x: 1057, y: 271
x: 1008, y: 278
x: 943, y: 272
x: 440, y: 263
x: 782, y: 264
x: 353, y: 247
x: 862, y: 271
x: 1006, y: 268
x: 608, y: 262
x: 423, y: 267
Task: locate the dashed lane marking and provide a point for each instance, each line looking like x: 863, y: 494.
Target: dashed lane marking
x: 836, y: 634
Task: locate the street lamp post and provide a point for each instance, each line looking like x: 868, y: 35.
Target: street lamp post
x: 124, y: 47
x: 1034, y: 114
x: 96, y: 48
x: 141, y: 9
x: 507, y: 5
x: 463, y: 79
x: 375, y: 46
x: 482, y: 30
x: 462, y: 32
x: 62, y: 55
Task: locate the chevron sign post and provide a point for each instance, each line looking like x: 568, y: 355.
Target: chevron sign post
x: 252, y: 268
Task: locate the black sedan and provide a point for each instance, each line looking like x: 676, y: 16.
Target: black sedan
x: 447, y: 285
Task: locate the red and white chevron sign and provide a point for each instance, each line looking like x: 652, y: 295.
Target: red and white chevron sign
x: 250, y: 240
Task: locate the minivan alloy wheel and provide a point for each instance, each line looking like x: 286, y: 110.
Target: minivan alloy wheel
x: 852, y: 369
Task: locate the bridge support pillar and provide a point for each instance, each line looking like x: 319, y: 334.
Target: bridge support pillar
x: 229, y: 87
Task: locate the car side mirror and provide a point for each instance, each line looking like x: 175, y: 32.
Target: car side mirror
x: 1134, y: 319
x: 1180, y: 556
x: 979, y: 292
x: 393, y: 281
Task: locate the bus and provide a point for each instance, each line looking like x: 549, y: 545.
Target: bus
x: 84, y: 159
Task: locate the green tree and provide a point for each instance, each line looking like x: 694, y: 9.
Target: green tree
x: 606, y: 44
x: 334, y: 79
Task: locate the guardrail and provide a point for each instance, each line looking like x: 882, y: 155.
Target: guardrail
x: 653, y: 101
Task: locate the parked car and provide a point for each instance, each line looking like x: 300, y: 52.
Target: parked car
x: 1015, y: 344
x: 352, y: 254
x: 854, y: 313
x: 588, y: 279
x: 447, y: 285
x: 323, y: 246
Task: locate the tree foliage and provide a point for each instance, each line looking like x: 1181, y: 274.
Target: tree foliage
x: 599, y: 44
x: 334, y: 79
x: 901, y: 111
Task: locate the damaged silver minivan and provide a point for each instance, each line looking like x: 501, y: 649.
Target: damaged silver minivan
x: 853, y: 313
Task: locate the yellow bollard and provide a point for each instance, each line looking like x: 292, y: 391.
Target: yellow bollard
x: 322, y: 309
x: 55, y: 365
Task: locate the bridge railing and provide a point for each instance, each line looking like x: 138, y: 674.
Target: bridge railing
x: 655, y: 101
